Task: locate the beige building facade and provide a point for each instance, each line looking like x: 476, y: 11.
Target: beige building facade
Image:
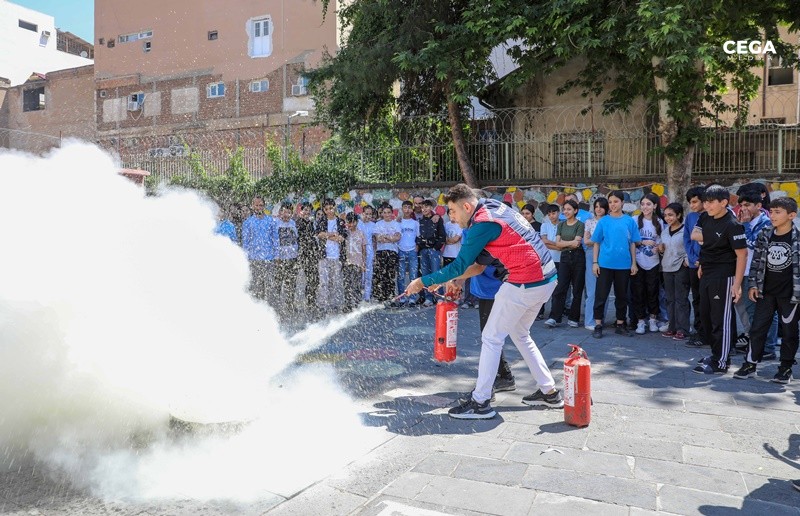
x: 206, y: 72
x: 46, y: 109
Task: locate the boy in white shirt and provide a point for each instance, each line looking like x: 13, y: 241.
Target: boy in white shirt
x: 409, y: 259
x: 386, y: 234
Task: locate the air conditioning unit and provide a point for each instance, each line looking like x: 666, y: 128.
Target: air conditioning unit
x: 102, y: 94
x: 133, y: 106
x: 135, y: 102
x: 45, y: 33
x: 298, y: 90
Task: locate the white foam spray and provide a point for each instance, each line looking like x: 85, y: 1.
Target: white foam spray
x: 117, y: 310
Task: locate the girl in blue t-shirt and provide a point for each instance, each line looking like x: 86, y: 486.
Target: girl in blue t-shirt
x: 614, y: 261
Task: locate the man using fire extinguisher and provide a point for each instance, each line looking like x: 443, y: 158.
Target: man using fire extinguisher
x: 530, y: 282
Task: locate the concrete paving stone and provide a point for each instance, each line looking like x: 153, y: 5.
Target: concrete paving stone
x: 319, y: 499
x: 625, y: 444
x: 570, y: 458
x: 518, y: 412
x: 602, y: 488
x: 682, y: 500
x: 740, y: 411
x: 758, y: 444
x: 504, y: 472
x: 772, y: 490
x: 773, y: 401
x: 671, y: 433
x: 682, y: 418
x: 369, y: 474
x: 689, y: 475
x: 557, y: 504
x: 636, y: 400
x: 477, y: 446
x: 690, y: 393
x: 558, y: 434
x: 391, y: 506
x: 441, y: 464
x: 408, y: 485
x: 638, y: 511
x: 477, y: 496
x: 738, y: 461
x: 736, y: 425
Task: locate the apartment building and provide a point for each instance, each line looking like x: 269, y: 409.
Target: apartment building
x: 205, y: 72
x: 30, y: 43
x: 46, y: 81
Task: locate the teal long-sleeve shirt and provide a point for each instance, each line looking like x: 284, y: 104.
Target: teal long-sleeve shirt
x: 480, y: 234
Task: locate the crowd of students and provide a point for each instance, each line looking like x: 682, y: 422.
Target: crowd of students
x: 737, y: 264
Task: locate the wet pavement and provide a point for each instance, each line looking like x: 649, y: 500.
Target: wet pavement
x: 662, y: 438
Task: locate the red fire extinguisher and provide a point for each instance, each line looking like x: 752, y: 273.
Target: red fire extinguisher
x: 577, y: 388
x: 444, y: 343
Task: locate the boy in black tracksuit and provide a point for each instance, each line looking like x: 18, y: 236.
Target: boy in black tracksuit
x: 723, y: 257
x: 430, y: 242
x: 775, y: 286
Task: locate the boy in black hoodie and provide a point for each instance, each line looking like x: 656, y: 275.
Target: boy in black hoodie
x: 430, y: 241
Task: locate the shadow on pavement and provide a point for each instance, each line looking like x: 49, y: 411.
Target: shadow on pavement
x: 412, y: 417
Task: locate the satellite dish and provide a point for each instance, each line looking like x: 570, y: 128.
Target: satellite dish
x: 84, y: 53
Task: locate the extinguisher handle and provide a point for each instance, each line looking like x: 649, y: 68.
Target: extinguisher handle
x: 577, y: 350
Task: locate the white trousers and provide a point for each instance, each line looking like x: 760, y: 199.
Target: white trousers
x: 514, y: 310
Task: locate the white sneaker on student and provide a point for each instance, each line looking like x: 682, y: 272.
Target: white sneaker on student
x: 640, y: 328
x: 653, y: 326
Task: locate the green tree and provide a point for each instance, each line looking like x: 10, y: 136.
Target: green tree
x: 420, y: 45
x: 668, y: 52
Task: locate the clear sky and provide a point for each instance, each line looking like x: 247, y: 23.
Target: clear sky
x: 75, y: 16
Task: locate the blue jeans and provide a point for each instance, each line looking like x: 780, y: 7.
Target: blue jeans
x: 430, y: 262
x: 409, y: 262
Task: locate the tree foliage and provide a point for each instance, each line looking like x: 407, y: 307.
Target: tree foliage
x: 405, y: 58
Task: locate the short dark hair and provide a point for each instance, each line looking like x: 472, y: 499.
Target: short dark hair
x: 619, y: 194
x: 677, y: 208
x: 385, y: 206
x: 695, y: 191
x: 368, y: 207
x: 328, y: 202
x: 528, y: 207
x: 351, y: 217
x: 287, y: 205
x: 306, y: 205
x: 553, y: 207
x: 716, y: 193
x: 572, y: 203
x: 408, y: 203
x: 427, y: 202
x: 460, y: 192
x: 750, y: 195
x: 508, y: 203
x: 787, y: 203
x: 759, y: 189
x: 603, y: 202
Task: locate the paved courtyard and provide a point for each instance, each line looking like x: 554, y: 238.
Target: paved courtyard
x: 662, y: 438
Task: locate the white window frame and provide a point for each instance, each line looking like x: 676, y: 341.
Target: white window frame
x: 259, y: 86
x: 251, y: 35
x: 213, y: 90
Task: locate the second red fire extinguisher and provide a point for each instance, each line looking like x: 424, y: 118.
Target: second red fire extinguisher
x: 577, y: 388
x: 444, y: 343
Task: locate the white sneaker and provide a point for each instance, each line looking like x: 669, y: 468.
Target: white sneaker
x: 572, y: 324
x: 653, y: 326
x: 465, y: 305
x: 427, y: 302
x: 590, y: 328
x: 551, y: 323
x: 664, y: 327
x: 640, y: 328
